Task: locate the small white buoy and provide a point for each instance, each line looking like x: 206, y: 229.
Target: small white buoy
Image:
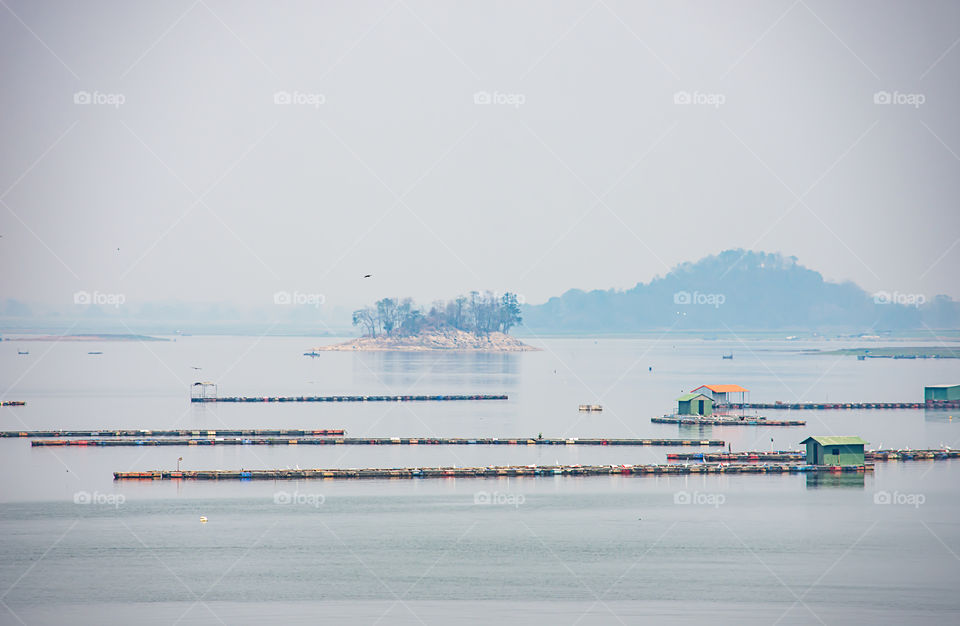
x: 203, y: 520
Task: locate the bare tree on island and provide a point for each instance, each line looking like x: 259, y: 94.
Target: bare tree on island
x: 480, y: 314
x: 366, y: 318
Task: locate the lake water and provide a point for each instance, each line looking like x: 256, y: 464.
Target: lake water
x: 752, y: 549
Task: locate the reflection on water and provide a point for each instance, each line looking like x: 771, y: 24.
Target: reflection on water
x: 853, y: 480
x: 695, y: 431
x: 941, y: 415
x: 401, y: 369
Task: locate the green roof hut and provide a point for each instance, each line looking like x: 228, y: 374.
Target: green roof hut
x: 834, y: 450
x: 694, y: 404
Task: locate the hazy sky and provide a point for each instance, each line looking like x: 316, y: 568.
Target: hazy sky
x: 619, y: 139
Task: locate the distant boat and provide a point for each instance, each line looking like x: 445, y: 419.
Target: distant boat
x: 729, y: 357
x: 23, y: 352
x: 311, y: 354
x: 94, y: 352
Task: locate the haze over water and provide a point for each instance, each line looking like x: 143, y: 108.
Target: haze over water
x: 542, y: 550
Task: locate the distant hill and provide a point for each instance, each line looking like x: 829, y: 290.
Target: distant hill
x: 740, y: 289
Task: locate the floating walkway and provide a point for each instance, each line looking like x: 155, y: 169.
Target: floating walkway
x: 488, y: 472
x: 724, y: 421
x: 817, y: 406
x: 365, y: 441
x: 348, y: 398
x: 107, y: 432
x: 791, y: 455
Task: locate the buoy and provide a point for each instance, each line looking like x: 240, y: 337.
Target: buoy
x: 203, y: 520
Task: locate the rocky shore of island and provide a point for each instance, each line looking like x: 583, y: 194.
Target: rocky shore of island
x: 448, y: 339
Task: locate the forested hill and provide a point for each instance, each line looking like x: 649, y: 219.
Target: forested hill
x: 738, y: 289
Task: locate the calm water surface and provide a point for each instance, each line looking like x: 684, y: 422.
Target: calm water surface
x: 751, y: 549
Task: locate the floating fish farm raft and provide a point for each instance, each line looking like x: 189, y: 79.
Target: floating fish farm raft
x: 489, y: 472
x: 791, y: 455
x: 724, y: 421
x: 366, y: 441
x: 348, y: 398
x: 817, y: 406
x: 110, y: 432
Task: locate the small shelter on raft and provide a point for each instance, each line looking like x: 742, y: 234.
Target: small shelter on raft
x: 203, y: 391
x: 834, y: 450
x: 694, y: 404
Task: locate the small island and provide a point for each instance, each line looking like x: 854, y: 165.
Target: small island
x: 909, y: 352
x: 86, y: 337
x: 479, y: 322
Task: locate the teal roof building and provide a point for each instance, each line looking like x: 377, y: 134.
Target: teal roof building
x: 941, y: 393
x: 834, y: 450
x: 694, y: 404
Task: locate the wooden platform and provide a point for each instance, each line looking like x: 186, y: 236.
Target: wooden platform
x: 368, y: 441
x: 819, y: 406
x: 183, y: 432
x: 439, y: 398
x: 488, y: 472
x: 792, y: 455
x: 724, y: 421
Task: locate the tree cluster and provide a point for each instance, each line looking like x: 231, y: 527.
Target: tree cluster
x: 480, y: 313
